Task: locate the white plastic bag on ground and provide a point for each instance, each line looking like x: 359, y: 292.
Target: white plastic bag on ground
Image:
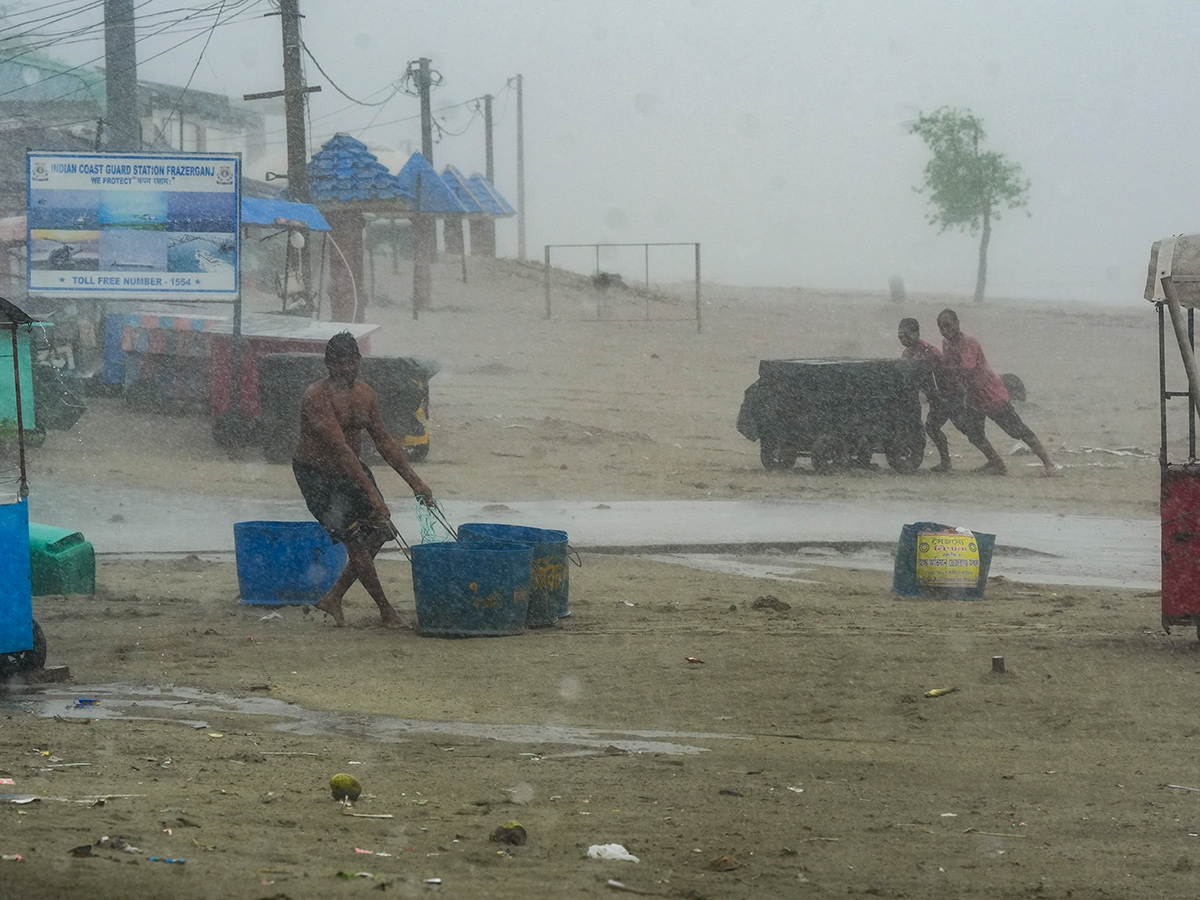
x: 610, y: 851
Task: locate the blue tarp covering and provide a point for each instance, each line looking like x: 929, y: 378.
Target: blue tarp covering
x: 257, y: 211
x: 345, y: 171
x: 489, y: 198
x: 435, y: 196
x: 458, y: 184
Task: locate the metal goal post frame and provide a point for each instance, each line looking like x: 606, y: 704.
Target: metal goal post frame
x: 646, y: 246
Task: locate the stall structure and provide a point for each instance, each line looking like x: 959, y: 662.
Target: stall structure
x: 484, y: 205
x: 348, y: 183
x: 1173, y: 286
x: 172, y: 358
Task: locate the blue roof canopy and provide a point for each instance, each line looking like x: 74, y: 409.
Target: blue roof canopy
x: 457, y: 182
x: 345, y: 171
x: 489, y: 198
x: 259, y: 211
x: 431, y: 194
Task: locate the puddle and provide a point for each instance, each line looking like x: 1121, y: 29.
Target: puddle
x: 185, y: 706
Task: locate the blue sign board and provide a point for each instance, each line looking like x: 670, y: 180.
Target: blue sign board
x: 134, y: 225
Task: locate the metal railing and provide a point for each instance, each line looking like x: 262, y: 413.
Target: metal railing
x: 646, y: 254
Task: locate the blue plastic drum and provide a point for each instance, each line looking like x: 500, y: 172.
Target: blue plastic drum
x: 471, y: 590
x: 285, y: 563
x: 549, y: 582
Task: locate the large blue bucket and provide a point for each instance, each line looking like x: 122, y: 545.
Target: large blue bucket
x: 916, y: 575
x: 470, y: 590
x: 549, y: 580
x: 285, y: 563
x: 16, y: 597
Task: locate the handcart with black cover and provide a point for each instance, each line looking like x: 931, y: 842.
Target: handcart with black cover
x: 838, y: 412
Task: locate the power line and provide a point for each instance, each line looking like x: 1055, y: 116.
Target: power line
x: 443, y: 130
x: 395, y: 90
x: 179, y: 99
x: 57, y: 17
x: 90, y: 33
x: 36, y: 40
x: 83, y: 66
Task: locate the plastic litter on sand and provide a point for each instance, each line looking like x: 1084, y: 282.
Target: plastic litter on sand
x: 610, y: 851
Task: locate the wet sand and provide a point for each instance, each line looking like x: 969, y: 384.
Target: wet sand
x: 822, y: 768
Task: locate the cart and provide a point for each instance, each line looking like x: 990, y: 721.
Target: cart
x: 1173, y: 286
x: 401, y: 385
x: 22, y: 643
x: 838, y: 412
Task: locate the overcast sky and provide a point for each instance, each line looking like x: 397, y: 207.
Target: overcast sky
x: 775, y: 133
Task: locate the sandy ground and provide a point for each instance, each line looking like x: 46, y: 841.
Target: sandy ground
x: 796, y: 752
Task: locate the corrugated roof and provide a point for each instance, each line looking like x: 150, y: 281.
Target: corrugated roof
x: 489, y: 198
x: 345, y: 171
x: 457, y: 182
x: 419, y: 177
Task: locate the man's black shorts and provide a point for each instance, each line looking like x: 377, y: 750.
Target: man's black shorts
x: 967, y: 419
x: 336, y: 501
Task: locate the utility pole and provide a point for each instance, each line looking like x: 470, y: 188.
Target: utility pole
x: 423, y: 86
x: 489, y: 162
x: 120, y: 77
x: 483, y: 231
x: 520, y: 170
x: 424, y: 227
x: 293, y: 93
x: 293, y: 101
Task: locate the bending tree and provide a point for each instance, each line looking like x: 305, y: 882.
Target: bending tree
x: 967, y: 185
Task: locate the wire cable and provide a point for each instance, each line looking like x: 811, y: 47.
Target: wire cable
x: 179, y: 99
x: 333, y: 84
x: 83, y: 67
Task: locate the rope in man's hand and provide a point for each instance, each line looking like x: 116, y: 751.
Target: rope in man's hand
x: 431, y: 516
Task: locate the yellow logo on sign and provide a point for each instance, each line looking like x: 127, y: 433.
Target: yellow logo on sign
x: 947, y: 559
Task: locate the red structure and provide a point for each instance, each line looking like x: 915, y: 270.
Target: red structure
x: 1173, y: 286
x: 1180, y: 545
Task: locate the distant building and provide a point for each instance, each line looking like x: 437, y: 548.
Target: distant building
x: 48, y: 105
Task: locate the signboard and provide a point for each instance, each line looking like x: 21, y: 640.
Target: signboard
x: 134, y: 225
x: 947, y: 559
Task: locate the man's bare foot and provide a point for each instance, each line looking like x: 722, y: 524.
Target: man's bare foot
x: 943, y: 466
x: 332, y: 607
x: 991, y: 469
x: 1055, y: 471
x: 393, y: 619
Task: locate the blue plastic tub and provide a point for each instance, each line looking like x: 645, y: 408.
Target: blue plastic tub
x: 470, y: 590
x: 910, y: 583
x: 285, y: 563
x: 16, y: 598
x: 549, y: 580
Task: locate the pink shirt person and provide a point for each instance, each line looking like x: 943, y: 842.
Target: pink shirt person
x: 970, y: 371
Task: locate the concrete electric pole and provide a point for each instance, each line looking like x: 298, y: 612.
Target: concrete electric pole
x: 423, y: 88
x: 293, y: 101
x: 293, y: 93
x: 120, y: 77
x: 520, y: 169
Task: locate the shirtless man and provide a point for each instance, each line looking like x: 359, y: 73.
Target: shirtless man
x: 340, y: 491
x: 986, y: 397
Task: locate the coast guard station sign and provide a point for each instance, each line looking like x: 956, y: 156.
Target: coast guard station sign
x: 133, y: 225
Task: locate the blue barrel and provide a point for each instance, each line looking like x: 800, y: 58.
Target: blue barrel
x: 470, y: 590
x: 549, y: 580
x: 285, y: 563
x: 16, y: 598
x: 905, y: 580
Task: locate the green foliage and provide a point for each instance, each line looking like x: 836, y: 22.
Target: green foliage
x: 967, y: 185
